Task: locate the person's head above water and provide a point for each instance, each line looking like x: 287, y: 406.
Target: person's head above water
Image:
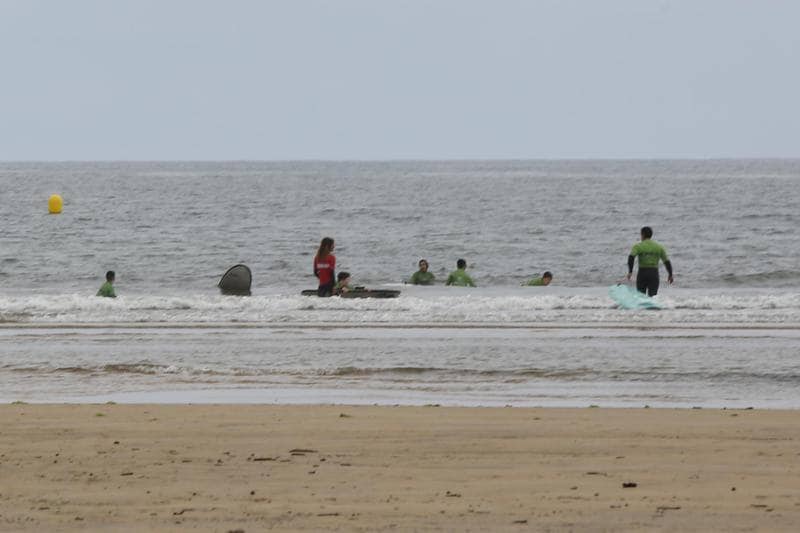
x: 461, y: 264
x: 423, y: 265
x: 547, y: 277
x: 342, y: 276
x: 647, y: 232
x: 110, y: 275
x: 325, y: 247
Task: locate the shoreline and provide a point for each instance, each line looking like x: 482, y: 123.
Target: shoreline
x: 542, y: 366
x: 363, y: 468
x: 302, y: 396
x: 588, y: 326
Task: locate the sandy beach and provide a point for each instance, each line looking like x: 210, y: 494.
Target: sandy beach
x: 250, y: 468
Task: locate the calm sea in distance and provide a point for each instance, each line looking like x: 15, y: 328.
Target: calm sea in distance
x: 728, y: 336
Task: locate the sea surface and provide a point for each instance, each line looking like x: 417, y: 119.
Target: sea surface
x: 728, y: 334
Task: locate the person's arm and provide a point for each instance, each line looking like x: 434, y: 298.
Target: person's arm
x: 414, y: 278
x: 631, y: 259
x: 449, y: 280
x: 668, y: 266
x: 316, y: 270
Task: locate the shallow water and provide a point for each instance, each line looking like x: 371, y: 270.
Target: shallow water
x: 727, y: 336
x: 619, y: 366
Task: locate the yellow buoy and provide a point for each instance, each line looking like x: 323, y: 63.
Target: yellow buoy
x: 54, y: 204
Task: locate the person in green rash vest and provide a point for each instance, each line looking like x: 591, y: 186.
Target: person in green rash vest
x: 546, y: 278
x: 649, y: 253
x: 107, y: 289
x: 422, y: 276
x: 459, y: 277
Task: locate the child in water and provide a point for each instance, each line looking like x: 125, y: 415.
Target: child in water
x: 459, y: 276
x: 546, y: 278
x: 107, y: 288
x: 342, y: 283
x: 422, y: 276
x: 325, y: 267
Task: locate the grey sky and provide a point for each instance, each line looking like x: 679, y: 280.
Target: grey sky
x: 190, y: 79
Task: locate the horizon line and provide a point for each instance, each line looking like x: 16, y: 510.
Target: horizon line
x: 410, y: 160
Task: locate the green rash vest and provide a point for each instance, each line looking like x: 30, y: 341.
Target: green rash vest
x: 649, y: 252
x: 536, y: 282
x: 422, y: 278
x: 459, y: 278
x: 107, y: 290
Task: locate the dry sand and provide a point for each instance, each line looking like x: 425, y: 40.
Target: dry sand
x: 251, y: 468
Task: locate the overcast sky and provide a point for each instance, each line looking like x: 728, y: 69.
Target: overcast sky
x: 372, y: 79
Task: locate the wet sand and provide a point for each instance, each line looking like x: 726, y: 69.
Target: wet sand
x: 250, y: 468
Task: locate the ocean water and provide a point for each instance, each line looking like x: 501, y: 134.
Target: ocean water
x: 728, y: 335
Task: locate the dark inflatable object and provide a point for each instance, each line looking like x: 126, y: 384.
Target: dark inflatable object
x: 236, y: 281
x: 360, y: 293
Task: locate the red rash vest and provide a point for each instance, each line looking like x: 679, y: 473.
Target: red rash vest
x: 324, y: 268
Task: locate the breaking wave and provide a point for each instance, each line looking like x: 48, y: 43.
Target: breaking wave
x: 414, y: 307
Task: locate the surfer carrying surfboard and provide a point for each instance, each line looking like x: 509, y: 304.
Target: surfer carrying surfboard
x: 649, y: 253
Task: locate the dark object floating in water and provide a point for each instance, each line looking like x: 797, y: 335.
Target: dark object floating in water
x: 360, y: 293
x: 236, y: 281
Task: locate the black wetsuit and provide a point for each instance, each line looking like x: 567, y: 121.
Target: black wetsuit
x: 647, y: 280
x: 649, y: 253
x: 647, y: 277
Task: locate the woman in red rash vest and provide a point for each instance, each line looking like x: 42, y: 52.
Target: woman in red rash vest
x: 325, y: 267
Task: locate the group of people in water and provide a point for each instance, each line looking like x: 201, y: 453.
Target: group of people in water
x: 332, y: 284
x: 648, y: 252
x: 460, y: 278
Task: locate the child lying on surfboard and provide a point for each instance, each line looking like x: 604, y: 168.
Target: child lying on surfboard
x: 342, y: 284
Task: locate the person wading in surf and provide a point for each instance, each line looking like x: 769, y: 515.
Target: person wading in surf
x: 649, y: 253
x: 422, y: 276
x: 459, y: 276
x: 325, y: 267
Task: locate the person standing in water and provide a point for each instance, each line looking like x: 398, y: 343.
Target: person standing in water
x: 325, y: 267
x: 107, y: 289
x: 459, y: 276
x: 649, y: 253
x: 422, y: 276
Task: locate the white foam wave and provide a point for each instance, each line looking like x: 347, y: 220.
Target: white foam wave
x: 439, y: 306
